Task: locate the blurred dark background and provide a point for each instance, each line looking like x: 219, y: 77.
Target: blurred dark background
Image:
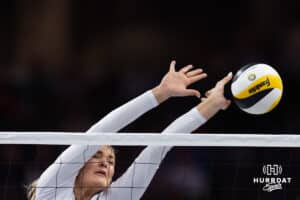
x: 65, y: 64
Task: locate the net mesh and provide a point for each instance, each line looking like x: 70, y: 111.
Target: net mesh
x: 186, y: 172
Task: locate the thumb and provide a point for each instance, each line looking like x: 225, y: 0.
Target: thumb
x: 192, y: 92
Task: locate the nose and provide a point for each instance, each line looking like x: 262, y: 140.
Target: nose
x: 103, y: 163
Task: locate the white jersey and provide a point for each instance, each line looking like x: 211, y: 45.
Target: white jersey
x: 57, y: 181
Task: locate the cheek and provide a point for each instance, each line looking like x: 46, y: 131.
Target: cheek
x: 88, y: 168
x: 89, y: 165
x: 111, y: 171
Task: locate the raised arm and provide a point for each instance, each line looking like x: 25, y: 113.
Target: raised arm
x: 63, y: 171
x: 125, y: 114
x: 137, y: 178
x: 173, y: 84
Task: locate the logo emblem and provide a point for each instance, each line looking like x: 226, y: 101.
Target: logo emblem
x: 251, y: 77
x: 273, y: 169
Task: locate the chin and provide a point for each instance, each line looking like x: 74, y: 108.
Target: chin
x: 102, y: 183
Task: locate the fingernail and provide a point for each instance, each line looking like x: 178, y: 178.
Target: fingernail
x: 229, y: 74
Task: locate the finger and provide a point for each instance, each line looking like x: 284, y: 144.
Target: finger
x: 194, y: 72
x: 221, y: 84
x: 186, y: 69
x: 197, y: 78
x: 192, y: 92
x: 172, y: 66
x: 226, y: 79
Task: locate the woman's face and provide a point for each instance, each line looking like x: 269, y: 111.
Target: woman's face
x: 97, y: 173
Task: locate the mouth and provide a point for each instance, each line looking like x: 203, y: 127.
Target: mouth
x: 101, y: 173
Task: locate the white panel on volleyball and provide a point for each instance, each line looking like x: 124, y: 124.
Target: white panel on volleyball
x: 264, y: 103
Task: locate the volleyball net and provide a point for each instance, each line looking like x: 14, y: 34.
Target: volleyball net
x: 199, y: 166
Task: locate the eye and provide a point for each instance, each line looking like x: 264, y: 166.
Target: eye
x: 111, y: 162
x: 96, y: 156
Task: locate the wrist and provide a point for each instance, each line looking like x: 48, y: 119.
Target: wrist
x: 160, y: 94
x: 208, y: 108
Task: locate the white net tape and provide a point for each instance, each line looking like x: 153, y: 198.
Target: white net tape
x: 187, y: 173
x: 155, y: 139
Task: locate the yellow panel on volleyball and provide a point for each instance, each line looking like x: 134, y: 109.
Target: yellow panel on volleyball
x: 262, y: 83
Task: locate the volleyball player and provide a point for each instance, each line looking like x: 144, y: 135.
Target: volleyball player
x: 84, y: 172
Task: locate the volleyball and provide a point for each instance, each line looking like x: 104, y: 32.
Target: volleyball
x: 257, y: 88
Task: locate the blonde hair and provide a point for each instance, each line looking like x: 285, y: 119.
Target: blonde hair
x: 31, y: 190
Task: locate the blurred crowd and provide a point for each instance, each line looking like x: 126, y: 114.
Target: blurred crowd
x: 65, y: 64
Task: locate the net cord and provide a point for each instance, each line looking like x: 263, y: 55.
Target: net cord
x: 155, y: 139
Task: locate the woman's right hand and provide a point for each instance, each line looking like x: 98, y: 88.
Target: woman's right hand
x: 175, y: 83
